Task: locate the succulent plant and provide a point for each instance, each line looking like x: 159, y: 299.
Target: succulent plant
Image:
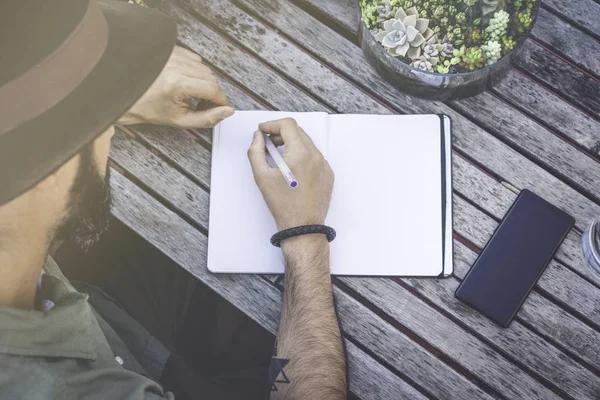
x: 443, y: 68
x: 404, y: 34
x: 461, y: 18
x: 431, y: 50
x: 423, y: 64
x: 473, y: 36
x: 508, y: 43
x: 524, y: 21
x: 369, y: 9
x: 473, y: 58
x: 457, y: 55
x: 446, y: 50
x: 385, y: 11
x: 491, y: 6
x: 472, y: 13
x: 492, y: 51
x: 498, y: 25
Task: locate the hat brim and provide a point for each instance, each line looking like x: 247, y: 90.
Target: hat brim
x: 139, y: 45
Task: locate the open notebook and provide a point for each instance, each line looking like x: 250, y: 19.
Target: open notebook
x: 391, y: 204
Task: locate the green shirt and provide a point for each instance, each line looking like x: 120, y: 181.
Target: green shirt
x: 69, y: 352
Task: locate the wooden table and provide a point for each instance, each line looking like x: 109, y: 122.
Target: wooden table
x: 406, y: 338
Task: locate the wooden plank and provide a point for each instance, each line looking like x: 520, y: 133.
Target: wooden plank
x: 469, y: 138
x: 583, y: 13
x: 579, y: 47
x: 181, y: 149
x: 552, y: 151
x: 579, y: 88
x: 370, y: 380
x: 252, y: 295
x: 550, y: 110
x: 563, y: 285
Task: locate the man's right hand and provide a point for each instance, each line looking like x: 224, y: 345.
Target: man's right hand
x: 307, y: 203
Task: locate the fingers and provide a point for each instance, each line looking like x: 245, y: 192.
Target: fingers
x: 204, y: 119
x: 205, y: 90
x: 257, y: 154
x: 277, y: 140
x: 287, y: 128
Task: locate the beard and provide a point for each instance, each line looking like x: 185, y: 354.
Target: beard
x: 88, y: 212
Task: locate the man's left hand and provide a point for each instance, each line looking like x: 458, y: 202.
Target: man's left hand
x: 164, y: 103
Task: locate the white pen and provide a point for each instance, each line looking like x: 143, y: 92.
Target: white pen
x: 283, y: 167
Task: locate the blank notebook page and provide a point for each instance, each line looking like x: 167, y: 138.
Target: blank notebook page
x: 240, y: 224
x: 386, y: 204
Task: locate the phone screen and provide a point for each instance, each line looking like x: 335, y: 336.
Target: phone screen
x: 515, y: 257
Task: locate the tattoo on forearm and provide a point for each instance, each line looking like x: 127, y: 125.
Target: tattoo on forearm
x: 276, y: 370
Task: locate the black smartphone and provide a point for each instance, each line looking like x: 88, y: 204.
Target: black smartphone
x: 514, y: 258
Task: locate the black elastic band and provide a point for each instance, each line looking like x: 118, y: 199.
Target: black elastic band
x: 302, y: 230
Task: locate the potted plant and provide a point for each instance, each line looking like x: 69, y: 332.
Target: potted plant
x: 444, y: 49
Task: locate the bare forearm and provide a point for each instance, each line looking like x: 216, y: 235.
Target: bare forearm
x: 309, y: 341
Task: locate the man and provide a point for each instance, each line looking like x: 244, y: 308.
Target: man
x: 71, y: 69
